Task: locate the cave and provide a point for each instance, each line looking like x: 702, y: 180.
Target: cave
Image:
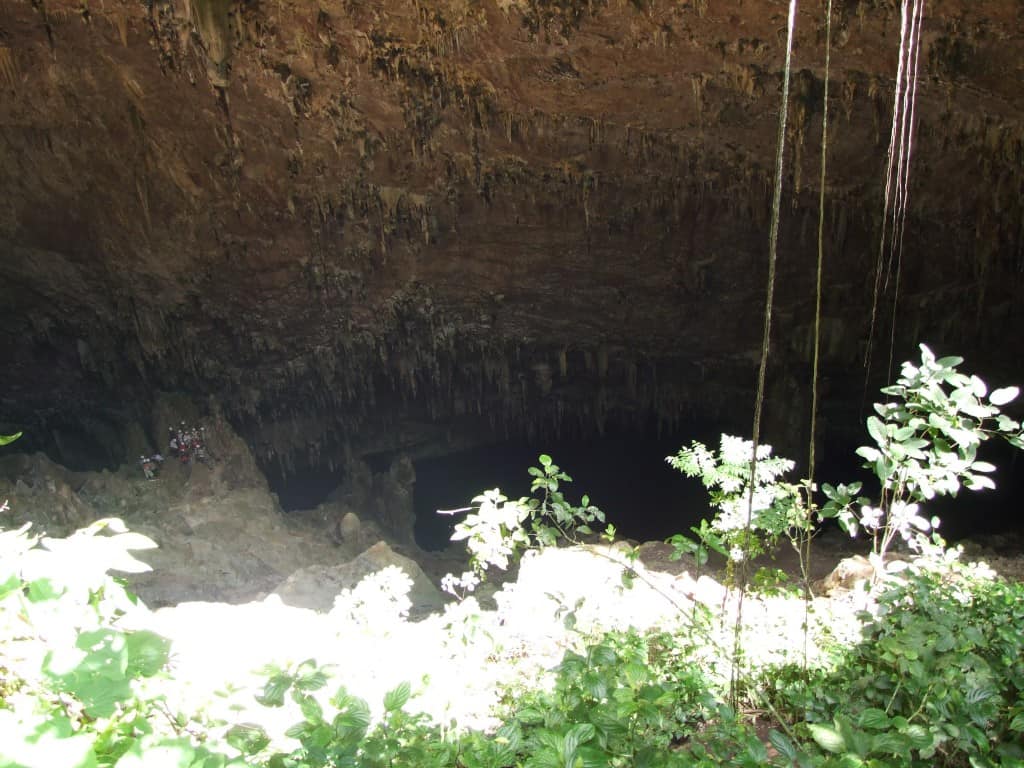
x: 470, y: 232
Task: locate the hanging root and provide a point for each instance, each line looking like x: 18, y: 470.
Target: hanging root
x: 897, y: 174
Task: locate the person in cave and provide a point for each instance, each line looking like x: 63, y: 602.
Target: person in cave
x: 197, y: 444
x: 151, y: 465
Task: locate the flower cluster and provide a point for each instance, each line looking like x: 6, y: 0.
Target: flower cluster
x: 380, y: 599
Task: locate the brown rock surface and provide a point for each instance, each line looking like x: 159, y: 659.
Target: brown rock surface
x: 366, y: 226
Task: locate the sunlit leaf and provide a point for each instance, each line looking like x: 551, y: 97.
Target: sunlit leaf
x: 247, y: 738
x: 147, y: 652
x: 828, y: 738
x: 396, y: 698
x: 1003, y: 395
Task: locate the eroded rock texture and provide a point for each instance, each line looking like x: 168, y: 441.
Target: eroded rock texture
x: 370, y: 225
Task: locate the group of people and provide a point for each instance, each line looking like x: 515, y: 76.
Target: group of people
x: 187, y: 443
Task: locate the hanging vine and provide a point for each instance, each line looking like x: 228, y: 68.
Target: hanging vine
x: 773, y: 241
x: 805, y: 548
x: 897, y: 175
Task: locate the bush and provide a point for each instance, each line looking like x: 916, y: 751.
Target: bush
x: 625, y: 701
x: 937, y: 680
x: 78, y: 689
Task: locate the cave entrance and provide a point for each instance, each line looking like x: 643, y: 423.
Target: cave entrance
x: 306, y: 486
x: 624, y: 474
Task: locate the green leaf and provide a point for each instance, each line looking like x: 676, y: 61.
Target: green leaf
x: 577, y: 735
x: 978, y: 482
x: 247, y: 738
x: 298, y: 730
x: 890, y: 743
x: 311, y: 709
x: 544, y: 460
x: 1003, y: 395
x: 782, y: 743
x: 354, y: 717
x: 41, y: 590
x: 98, y: 678
x: 873, y: 718
x: 828, y: 738
x: 274, y: 690
x: 5, y: 439
x: 877, y: 430
x: 147, y: 652
x: 869, y: 454
x: 9, y: 587
x: 309, y: 677
x: 919, y: 736
x: 396, y: 698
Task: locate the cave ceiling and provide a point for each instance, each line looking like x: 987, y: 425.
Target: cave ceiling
x: 356, y: 225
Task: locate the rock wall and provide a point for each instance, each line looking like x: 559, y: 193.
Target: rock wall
x: 399, y: 224
x: 220, y: 533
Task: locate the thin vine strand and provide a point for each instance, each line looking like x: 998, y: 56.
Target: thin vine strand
x: 903, y: 180
x: 773, y: 240
x: 886, y: 204
x: 805, y: 558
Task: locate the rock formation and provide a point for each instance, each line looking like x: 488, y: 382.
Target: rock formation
x: 369, y: 227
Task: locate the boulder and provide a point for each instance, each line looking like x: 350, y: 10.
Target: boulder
x: 349, y: 528
x: 849, y: 574
x: 316, y: 586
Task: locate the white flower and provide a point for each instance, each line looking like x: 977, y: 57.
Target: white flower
x: 736, y: 450
x: 870, y: 517
x: 379, y: 599
x: 455, y: 585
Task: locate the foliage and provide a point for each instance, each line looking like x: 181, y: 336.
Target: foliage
x: 623, y: 702
x: 6, y: 439
x: 775, y: 509
x: 500, y: 529
x: 938, y: 679
x: 343, y: 733
x: 379, y: 600
x: 78, y: 689
x: 926, y: 441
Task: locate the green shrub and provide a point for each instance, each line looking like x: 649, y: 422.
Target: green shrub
x: 925, y: 444
x: 627, y: 700
x: 78, y: 689
x: 937, y: 680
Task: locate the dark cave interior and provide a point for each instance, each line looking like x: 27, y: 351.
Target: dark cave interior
x: 625, y: 474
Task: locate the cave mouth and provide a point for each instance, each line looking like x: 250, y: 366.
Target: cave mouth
x: 305, y: 486
x: 623, y: 473
x: 626, y: 476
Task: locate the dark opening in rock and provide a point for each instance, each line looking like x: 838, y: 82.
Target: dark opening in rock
x: 624, y: 474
